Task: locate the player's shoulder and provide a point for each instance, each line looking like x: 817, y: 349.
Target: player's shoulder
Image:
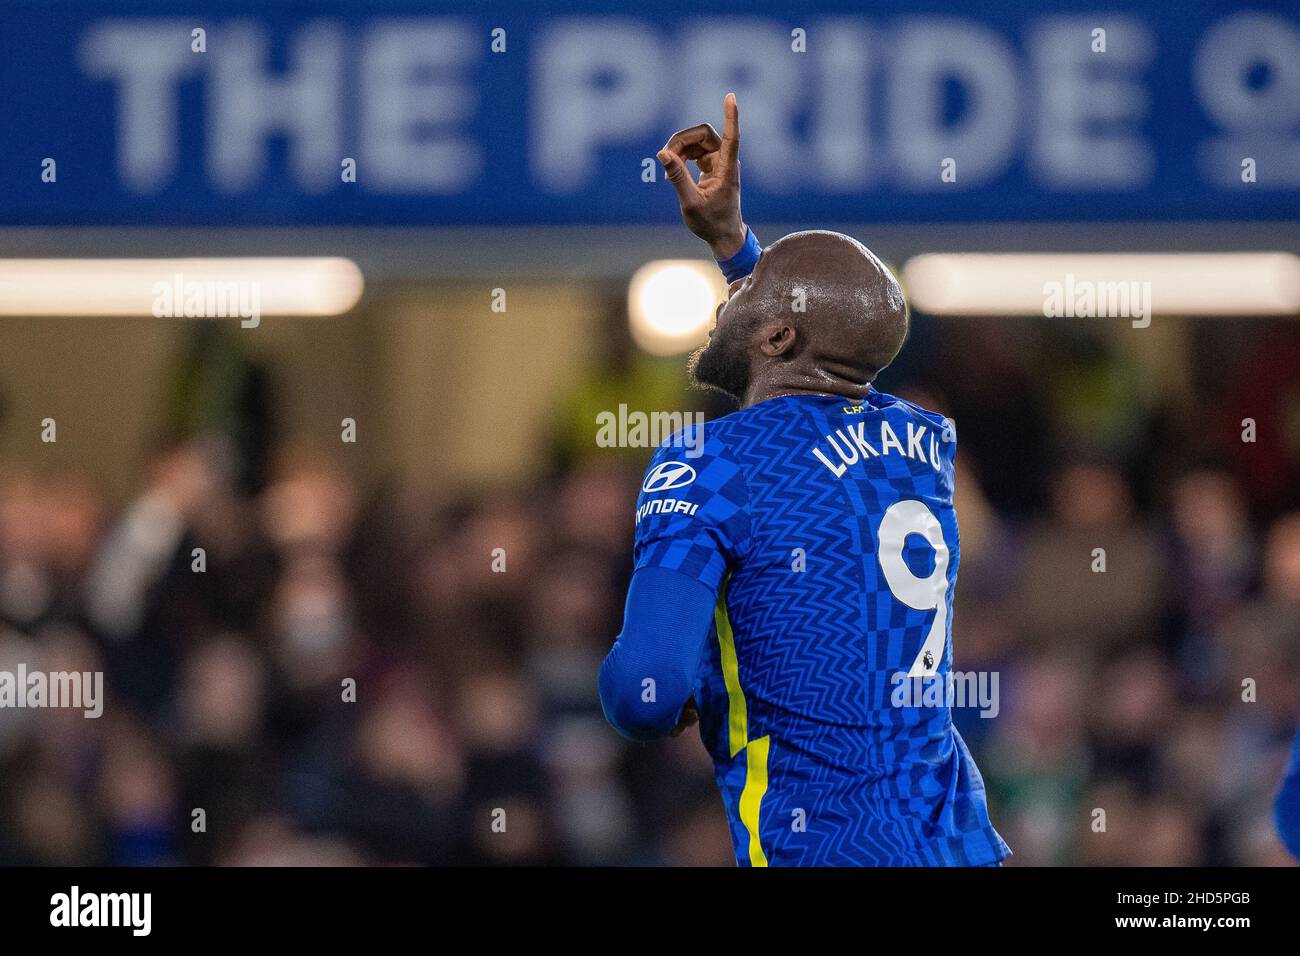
x: 940, y: 422
x: 712, y: 438
x: 694, y: 468
x: 767, y: 427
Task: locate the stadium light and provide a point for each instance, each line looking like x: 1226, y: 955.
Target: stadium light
x: 671, y: 304
x: 1223, y: 284
x: 201, y: 288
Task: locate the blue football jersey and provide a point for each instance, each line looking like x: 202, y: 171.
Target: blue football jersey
x: 827, y: 530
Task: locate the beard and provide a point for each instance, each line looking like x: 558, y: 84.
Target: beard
x: 723, y: 364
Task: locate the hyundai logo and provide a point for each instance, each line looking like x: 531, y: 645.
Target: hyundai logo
x: 669, y: 475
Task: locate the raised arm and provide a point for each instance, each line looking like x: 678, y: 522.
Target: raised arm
x: 711, y: 207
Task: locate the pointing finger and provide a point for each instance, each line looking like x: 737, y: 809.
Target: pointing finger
x: 730, y: 132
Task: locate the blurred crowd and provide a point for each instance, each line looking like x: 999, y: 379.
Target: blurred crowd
x: 301, y: 670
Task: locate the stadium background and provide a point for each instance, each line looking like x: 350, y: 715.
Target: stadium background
x: 476, y: 429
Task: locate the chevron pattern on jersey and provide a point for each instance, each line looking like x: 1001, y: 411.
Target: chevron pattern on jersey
x: 819, y: 632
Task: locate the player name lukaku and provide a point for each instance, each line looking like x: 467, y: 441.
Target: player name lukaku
x: 850, y: 445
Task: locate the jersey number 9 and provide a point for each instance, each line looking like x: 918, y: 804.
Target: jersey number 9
x: 901, y: 519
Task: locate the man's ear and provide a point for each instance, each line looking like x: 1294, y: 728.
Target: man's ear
x: 777, y: 340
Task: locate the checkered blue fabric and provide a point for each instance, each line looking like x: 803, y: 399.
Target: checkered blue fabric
x: 781, y: 512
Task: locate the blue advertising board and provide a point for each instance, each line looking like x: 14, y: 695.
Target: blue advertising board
x: 517, y: 113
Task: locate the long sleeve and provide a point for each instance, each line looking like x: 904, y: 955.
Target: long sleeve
x: 649, y: 673
x: 692, y: 524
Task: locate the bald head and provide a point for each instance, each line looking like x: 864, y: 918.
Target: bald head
x: 819, y: 313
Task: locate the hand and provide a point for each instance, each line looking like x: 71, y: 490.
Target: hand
x: 711, y: 207
x: 690, y: 716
